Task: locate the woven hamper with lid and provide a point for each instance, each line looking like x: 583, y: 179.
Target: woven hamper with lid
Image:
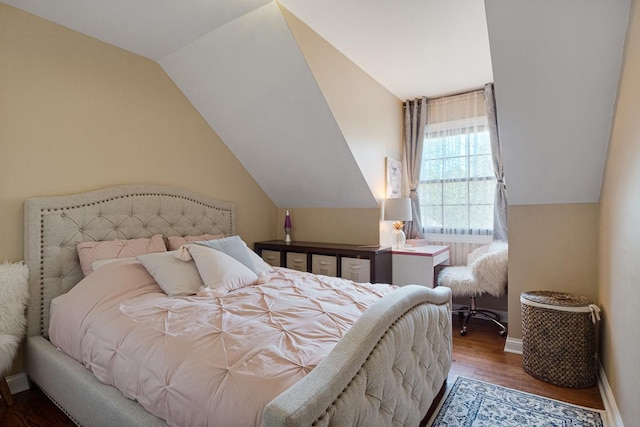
x: 559, y: 338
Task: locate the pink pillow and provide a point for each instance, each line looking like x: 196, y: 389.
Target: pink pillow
x: 176, y: 241
x: 89, y: 252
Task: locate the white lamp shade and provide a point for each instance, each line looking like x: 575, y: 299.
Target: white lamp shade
x: 397, y: 209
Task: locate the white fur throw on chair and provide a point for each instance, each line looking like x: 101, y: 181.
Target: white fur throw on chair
x: 14, y: 293
x: 485, y: 272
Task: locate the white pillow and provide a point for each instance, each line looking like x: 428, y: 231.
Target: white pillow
x: 174, y: 276
x: 220, y: 271
x: 261, y: 266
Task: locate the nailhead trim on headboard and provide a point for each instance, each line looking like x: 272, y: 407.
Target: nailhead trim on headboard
x: 123, y: 212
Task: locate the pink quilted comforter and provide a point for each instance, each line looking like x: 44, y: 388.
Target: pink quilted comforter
x: 205, y: 361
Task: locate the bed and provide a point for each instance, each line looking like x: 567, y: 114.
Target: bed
x: 387, y: 369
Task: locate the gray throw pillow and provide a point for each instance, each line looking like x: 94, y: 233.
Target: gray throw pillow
x: 234, y: 247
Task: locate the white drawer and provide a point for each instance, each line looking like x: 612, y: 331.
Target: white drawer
x: 297, y: 261
x: 271, y: 257
x: 442, y: 258
x: 324, y: 264
x: 356, y: 269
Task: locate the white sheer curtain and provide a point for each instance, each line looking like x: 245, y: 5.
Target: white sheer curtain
x: 457, y: 181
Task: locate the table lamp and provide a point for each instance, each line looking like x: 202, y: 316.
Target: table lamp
x: 398, y: 210
x: 287, y: 228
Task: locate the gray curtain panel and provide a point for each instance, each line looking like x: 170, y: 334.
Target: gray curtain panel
x: 500, y: 231
x: 415, y: 119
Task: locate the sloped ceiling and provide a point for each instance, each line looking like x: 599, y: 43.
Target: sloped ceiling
x: 555, y: 66
x: 412, y: 47
x: 267, y: 107
x: 151, y: 28
x: 239, y: 65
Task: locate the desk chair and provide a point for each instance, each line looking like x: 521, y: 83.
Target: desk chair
x: 485, y: 272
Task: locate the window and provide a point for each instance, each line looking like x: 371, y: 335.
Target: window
x: 457, y: 183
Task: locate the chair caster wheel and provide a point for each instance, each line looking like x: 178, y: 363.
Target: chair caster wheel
x: 502, y: 333
x: 463, y: 332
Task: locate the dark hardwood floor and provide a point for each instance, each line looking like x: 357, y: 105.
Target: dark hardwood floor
x: 477, y: 355
x: 480, y: 355
x: 32, y: 408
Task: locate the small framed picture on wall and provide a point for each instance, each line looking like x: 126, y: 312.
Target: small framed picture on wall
x: 394, y: 178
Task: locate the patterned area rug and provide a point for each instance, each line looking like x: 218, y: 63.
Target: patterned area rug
x: 475, y: 403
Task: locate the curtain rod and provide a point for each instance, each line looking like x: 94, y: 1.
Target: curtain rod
x: 456, y: 94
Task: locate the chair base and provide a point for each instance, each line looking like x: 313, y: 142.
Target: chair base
x: 5, y: 392
x: 466, y: 313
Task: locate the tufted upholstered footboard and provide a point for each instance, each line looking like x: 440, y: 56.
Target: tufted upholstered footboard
x: 386, y: 371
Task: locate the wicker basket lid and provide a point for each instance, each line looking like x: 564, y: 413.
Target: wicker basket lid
x: 556, y: 298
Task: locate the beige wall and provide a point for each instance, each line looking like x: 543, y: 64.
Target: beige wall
x: 551, y: 247
x: 371, y: 120
x: 619, y: 277
x: 346, y: 226
x: 77, y: 114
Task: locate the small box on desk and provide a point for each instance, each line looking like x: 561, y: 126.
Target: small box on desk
x: 415, y: 243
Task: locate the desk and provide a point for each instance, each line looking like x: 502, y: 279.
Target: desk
x: 416, y: 265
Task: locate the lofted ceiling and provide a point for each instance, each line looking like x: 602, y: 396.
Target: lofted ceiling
x: 412, y: 47
x: 550, y: 62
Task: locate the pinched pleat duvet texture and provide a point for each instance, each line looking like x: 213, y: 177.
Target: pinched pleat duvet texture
x: 205, y: 360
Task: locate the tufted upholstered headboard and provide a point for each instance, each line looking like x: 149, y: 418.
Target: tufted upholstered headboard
x: 53, y: 226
